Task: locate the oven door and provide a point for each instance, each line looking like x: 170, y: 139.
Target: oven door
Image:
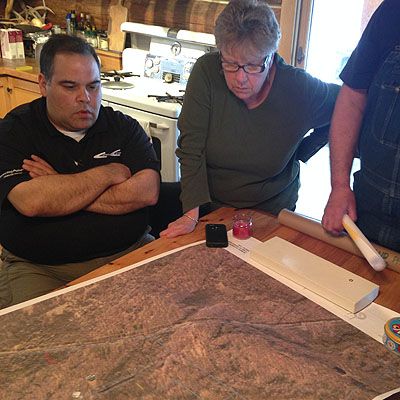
x: 163, y: 132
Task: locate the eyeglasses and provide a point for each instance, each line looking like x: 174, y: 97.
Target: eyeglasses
x: 248, y: 68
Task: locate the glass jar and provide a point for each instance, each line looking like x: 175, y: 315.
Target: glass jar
x: 242, y: 226
x: 102, y: 40
x: 91, y: 38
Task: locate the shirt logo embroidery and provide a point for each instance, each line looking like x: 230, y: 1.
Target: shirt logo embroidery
x: 12, y: 172
x: 115, y: 153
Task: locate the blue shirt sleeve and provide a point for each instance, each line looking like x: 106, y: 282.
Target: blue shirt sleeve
x: 380, y: 37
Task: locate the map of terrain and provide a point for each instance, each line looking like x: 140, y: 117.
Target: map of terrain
x: 197, y: 324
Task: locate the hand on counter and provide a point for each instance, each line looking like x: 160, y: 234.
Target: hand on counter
x: 183, y: 225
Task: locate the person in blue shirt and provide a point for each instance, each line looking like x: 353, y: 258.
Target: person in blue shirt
x: 367, y: 119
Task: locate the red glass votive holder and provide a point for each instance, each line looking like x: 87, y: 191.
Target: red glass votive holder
x: 242, y: 226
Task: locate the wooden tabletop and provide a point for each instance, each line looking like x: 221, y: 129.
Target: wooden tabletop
x: 265, y: 227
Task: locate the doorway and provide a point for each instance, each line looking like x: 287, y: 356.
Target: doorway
x: 332, y: 32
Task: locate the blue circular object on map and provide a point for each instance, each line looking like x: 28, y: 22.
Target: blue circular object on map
x: 391, y: 336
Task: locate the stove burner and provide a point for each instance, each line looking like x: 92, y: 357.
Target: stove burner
x: 116, y: 84
x: 168, y: 98
x: 116, y: 75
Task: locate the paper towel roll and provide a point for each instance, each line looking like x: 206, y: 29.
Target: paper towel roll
x: 314, y: 228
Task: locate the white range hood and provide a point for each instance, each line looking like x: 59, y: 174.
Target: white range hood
x: 170, y: 33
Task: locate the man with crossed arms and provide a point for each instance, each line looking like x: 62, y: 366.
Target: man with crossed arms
x: 75, y: 178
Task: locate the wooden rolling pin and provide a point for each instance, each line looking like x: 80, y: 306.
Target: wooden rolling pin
x: 314, y: 228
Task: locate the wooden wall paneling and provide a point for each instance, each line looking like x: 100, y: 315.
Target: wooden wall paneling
x: 163, y: 12
x: 204, y: 15
x: 196, y: 15
x: 98, y: 9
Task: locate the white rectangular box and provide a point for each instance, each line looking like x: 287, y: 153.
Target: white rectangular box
x: 320, y: 276
x: 8, y: 38
x: 20, y: 44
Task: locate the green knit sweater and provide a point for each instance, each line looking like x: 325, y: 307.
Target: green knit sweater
x: 243, y: 158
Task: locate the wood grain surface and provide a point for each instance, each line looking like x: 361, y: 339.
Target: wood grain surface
x: 265, y: 227
x: 118, y: 15
x: 195, y: 15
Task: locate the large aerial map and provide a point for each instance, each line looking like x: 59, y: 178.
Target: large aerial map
x: 197, y: 324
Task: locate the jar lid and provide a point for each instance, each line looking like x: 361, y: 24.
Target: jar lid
x: 391, y: 337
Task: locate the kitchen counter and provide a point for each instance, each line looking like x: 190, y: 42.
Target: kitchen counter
x: 109, y: 61
x: 8, y: 67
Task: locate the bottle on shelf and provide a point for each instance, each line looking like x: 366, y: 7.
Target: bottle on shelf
x: 73, y: 22
x: 80, y: 21
x: 88, y: 24
x: 93, y: 24
x: 68, y: 21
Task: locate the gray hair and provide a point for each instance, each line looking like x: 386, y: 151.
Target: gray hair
x: 247, y: 22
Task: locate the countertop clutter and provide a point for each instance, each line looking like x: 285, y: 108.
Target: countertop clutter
x: 26, y: 68
x: 110, y: 60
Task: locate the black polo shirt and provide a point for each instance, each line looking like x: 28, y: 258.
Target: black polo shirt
x: 83, y: 235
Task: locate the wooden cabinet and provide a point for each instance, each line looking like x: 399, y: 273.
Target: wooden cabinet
x: 109, y: 60
x: 4, y: 96
x: 22, y: 91
x: 16, y: 91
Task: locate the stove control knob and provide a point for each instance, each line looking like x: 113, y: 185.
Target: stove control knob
x: 156, y: 70
x: 156, y: 61
x: 168, y: 77
x: 176, y: 48
x: 149, y: 63
x: 148, y: 73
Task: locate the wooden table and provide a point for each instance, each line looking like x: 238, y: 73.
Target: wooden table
x: 265, y: 227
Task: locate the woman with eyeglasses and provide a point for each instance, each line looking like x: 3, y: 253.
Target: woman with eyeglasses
x: 244, y: 119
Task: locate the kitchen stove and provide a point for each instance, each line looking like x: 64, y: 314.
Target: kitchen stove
x: 112, y: 80
x: 117, y: 75
x: 154, y: 74
x: 144, y: 94
x: 168, y: 98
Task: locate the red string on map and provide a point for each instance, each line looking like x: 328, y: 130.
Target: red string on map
x: 49, y: 359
